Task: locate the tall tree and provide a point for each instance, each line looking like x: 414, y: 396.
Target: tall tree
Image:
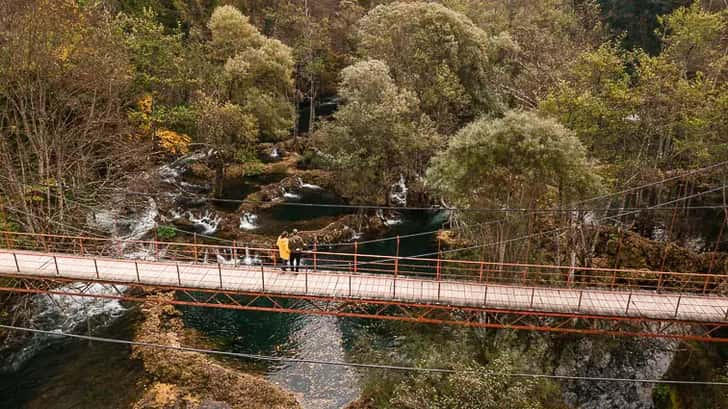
x: 435, y: 52
x: 636, y: 111
x: 64, y: 89
x: 521, y: 160
x: 378, y: 135
x: 535, y: 42
x: 248, y: 89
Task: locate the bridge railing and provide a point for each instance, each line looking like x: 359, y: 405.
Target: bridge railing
x: 437, y: 268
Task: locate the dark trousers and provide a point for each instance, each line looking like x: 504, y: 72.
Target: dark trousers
x: 295, y: 257
x: 284, y: 263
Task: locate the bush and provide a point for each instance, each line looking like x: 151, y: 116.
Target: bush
x: 313, y: 160
x: 166, y: 232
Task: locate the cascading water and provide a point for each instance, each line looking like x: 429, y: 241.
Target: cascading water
x: 248, y: 221
x: 305, y: 185
x: 64, y: 313
x: 289, y: 195
x: 207, y: 222
x: 398, y: 192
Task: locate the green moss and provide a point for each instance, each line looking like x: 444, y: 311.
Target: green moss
x: 166, y: 232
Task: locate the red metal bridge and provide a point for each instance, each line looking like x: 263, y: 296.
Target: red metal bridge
x: 579, y: 300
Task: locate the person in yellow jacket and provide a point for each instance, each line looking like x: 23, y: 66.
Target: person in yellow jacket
x: 283, y: 249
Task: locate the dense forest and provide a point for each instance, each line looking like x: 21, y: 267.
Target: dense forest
x: 470, y: 104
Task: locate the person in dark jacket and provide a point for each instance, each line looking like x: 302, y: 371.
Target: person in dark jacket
x: 296, y: 245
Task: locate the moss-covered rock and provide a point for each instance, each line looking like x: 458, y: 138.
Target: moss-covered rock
x: 187, y: 380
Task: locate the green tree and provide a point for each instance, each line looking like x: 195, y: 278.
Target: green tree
x: 533, y: 43
x: 472, y: 386
x: 435, y: 52
x: 248, y: 88
x: 232, y: 32
x: 638, y: 111
x: 496, y: 162
x: 521, y: 160
x: 378, y: 135
x: 226, y: 127
x: 257, y: 72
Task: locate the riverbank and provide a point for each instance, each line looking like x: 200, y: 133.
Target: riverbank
x: 191, y: 380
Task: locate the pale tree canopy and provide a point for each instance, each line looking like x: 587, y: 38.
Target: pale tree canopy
x: 379, y: 134
x: 232, y: 31
x: 514, y: 160
x: 435, y: 52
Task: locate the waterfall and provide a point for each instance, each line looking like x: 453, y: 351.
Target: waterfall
x: 308, y: 185
x: 66, y: 313
x: 248, y: 221
x: 207, y: 221
x: 398, y: 192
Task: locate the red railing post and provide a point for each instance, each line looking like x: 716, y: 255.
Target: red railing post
x: 156, y: 244
x: 396, y: 259
x: 194, y: 248
x: 439, y: 248
x: 356, y: 252
x: 659, y: 282
x: 235, y: 253
x: 7, y: 240
x: 315, y: 247
x: 80, y: 245
x: 480, y: 279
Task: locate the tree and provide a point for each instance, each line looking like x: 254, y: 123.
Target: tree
x: 378, y: 135
x: 435, y: 52
x: 639, y: 111
x: 248, y: 88
x: 519, y: 161
x: 258, y: 72
x: 495, y: 162
x: 226, y: 126
x: 471, y: 386
x: 533, y: 43
x: 64, y: 88
x: 232, y: 32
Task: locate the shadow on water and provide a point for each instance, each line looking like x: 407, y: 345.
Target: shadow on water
x: 274, y: 220
x: 76, y: 374
x: 239, y: 188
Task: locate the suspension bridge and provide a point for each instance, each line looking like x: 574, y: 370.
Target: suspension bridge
x: 567, y: 299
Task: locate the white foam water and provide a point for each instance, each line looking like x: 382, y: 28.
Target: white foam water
x: 305, y: 185
x: 144, y: 223
x: 274, y: 153
x: 66, y: 313
x: 289, y: 195
x: 248, y: 221
x: 208, y: 221
x: 398, y: 192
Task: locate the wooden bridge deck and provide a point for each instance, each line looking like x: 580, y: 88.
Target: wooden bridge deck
x: 346, y: 286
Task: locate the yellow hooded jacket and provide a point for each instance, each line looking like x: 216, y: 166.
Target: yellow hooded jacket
x: 283, y: 249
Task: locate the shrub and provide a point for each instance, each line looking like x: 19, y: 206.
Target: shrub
x: 166, y: 232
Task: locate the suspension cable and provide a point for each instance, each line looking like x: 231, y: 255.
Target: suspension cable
x: 261, y: 357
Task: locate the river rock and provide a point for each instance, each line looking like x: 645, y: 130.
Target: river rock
x: 615, y: 358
